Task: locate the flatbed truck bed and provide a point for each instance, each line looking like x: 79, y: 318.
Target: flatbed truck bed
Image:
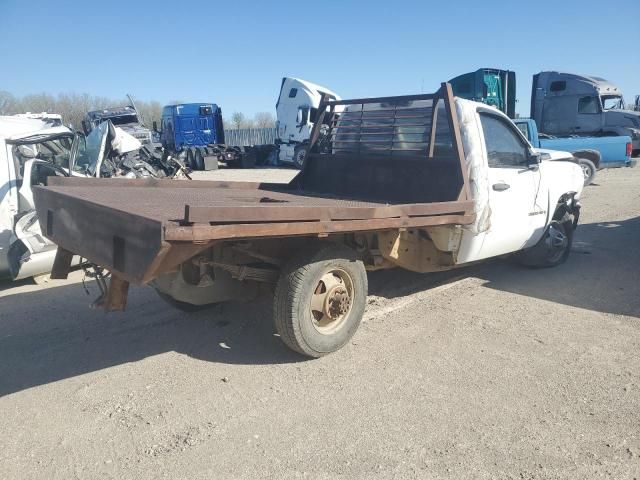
x: 145, y: 218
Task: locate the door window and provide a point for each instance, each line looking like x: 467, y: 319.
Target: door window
x: 505, y: 148
x: 524, y: 128
x: 587, y: 105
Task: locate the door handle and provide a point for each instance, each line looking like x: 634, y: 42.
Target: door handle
x: 501, y: 187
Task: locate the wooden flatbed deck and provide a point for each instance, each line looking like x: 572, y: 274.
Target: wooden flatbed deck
x: 201, y: 210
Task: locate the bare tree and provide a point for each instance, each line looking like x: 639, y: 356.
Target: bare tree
x: 264, y: 120
x: 7, y: 103
x: 150, y: 112
x: 39, y: 102
x: 73, y: 106
x: 237, y: 118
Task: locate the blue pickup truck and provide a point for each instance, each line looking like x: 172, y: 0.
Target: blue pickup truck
x: 593, y: 153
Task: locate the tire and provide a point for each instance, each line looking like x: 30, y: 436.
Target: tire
x: 548, y: 252
x: 198, y: 158
x: 588, y: 170
x: 334, y: 279
x: 300, y: 155
x: 248, y: 158
x: 190, y: 161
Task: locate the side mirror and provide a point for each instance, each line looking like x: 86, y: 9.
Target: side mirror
x: 534, y: 159
x: 85, y: 127
x: 299, y: 117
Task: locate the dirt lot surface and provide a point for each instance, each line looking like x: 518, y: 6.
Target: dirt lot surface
x: 492, y: 372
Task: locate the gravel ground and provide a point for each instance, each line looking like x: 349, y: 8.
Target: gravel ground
x: 493, y: 372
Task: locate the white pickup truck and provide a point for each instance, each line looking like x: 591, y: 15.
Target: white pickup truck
x: 423, y: 182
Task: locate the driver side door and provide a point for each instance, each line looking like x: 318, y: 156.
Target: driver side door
x: 515, y: 215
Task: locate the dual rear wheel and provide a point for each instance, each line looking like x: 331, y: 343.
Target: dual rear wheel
x: 320, y: 299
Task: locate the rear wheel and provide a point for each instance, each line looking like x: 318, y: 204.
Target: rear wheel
x: 300, y: 155
x: 190, y: 161
x: 320, y: 299
x: 248, y: 158
x: 198, y: 159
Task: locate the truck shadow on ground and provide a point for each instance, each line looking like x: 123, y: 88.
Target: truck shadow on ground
x: 601, y: 274
x: 50, y: 334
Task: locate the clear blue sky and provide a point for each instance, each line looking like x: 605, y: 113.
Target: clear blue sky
x: 235, y: 52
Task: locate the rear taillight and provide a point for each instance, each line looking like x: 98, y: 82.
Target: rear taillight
x: 629, y: 149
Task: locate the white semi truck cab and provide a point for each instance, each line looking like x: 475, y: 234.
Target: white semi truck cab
x: 296, y: 111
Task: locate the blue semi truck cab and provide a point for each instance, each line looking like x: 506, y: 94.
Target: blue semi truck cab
x: 191, y: 125
x: 194, y: 132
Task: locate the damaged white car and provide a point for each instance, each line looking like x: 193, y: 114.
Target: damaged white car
x: 31, y: 151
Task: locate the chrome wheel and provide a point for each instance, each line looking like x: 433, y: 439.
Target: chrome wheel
x: 331, y: 301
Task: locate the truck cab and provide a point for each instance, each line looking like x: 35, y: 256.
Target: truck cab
x: 296, y: 110
x: 492, y: 86
x: 569, y: 104
x: 191, y: 125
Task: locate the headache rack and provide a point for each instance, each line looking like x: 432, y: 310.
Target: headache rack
x: 374, y: 164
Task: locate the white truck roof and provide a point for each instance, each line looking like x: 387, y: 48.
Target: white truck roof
x: 14, y: 128
x: 314, y: 91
